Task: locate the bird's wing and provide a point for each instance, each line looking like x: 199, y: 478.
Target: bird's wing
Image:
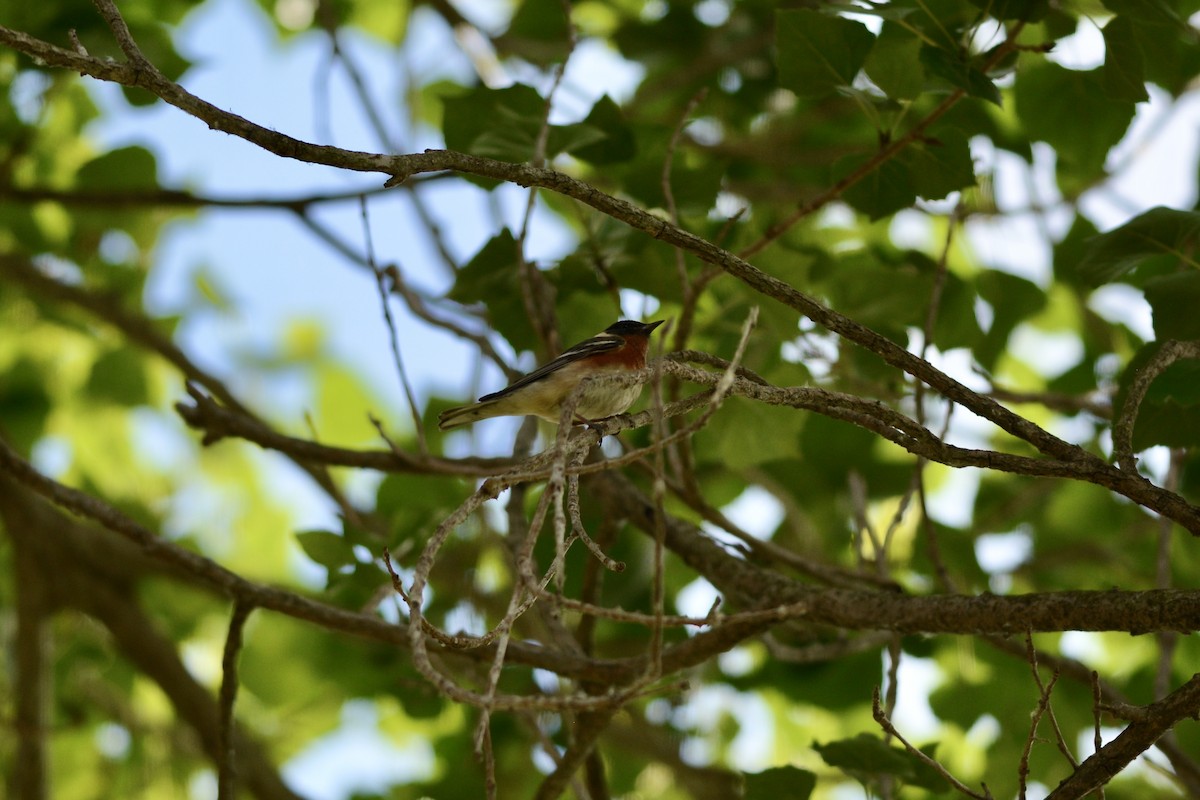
x: 590, y: 347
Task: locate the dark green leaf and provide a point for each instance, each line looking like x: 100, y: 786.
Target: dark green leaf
x: 125, y: 168
x: 694, y: 182
x: 780, y: 783
x: 539, y: 32
x: 504, y: 124
x: 492, y: 277
x: 1175, y: 301
x: 895, y: 63
x: 939, y: 166
x: 1158, y: 231
x: 819, y: 52
x: 1013, y: 300
x: 863, y: 754
x: 24, y: 404
x: 569, y: 138
x: 956, y: 324
x: 493, y: 269
x: 617, y: 145
x: 866, y: 755
x: 119, y: 376
x: 1170, y: 412
x: 1069, y: 252
x: 1148, y: 12
x: 1165, y: 41
x: 353, y: 584
x: 885, y: 190
x: 1124, y: 71
x: 327, y: 549
x: 1070, y: 110
x: 412, y: 505
x: 1023, y: 10
x: 495, y: 123
x: 959, y: 72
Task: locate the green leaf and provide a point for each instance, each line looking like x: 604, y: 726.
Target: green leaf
x: 492, y: 269
x: 1124, y: 71
x: 884, y: 191
x: 539, y: 32
x: 740, y: 436
x: 119, y: 376
x: 504, y: 124
x: 779, y: 783
x: 959, y: 72
x: 327, y: 549
x: 1070, y: 110
x: 694, y: 181
x: 940, y: 166
x: 413, y: 505
x: 1012, y: 299
x: 1166, y: 42
x: 895, y: 63
x: 819, y: 52
x: 353, y: 584
x: 495, y: 123
x: 1159, y: 231
x: 492, y: 277
x: 123, y: 169
x: 618, y: 143
x: 1170, y: 412
x: 866, y: 755
x: 569, y: 138
x: 1174, y: 300
x: 1147, y: 12
x: 1022, y: 10
x: 24, y: 404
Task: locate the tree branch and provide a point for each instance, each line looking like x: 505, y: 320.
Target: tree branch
x: 402, y: 167
x: 1136, y: 739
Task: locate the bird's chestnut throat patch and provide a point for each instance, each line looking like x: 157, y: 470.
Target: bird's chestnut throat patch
x: 629, y: 354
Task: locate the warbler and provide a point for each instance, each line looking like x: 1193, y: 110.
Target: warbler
x: 618, y: 349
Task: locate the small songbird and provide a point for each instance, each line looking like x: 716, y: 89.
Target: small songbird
x: 620, y: 348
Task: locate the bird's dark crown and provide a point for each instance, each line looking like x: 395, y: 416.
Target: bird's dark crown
x: 629, y: 327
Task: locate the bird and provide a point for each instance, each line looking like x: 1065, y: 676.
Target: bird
x: 619, y: 348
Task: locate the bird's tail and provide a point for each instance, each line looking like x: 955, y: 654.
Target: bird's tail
x: 465, y: 415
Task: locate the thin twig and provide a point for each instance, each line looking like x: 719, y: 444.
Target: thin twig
x: 226, y: 754
x: 888, y: 728
x: 393, y: 335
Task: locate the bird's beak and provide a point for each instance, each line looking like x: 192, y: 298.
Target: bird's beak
x: 649, y: 327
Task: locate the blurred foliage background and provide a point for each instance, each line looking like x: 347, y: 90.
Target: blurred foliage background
x: 973, y: 180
